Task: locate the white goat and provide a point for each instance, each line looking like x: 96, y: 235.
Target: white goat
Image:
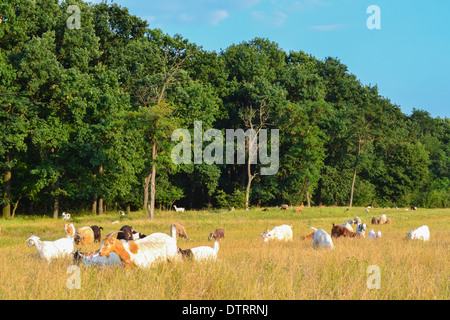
x: 322, y: 239
x: 283, y: 232
x: 348, y: 226
x: 361, y: 229
x: 141, y: 253
x: 202, y: 253
x: 178, y: 209
x: 357, y: 220
x: 94, y: 258
x: 51, y: 249
x: 374, y: 235
x: 421, y: 233
x: 383, y: 219
x: 65, y: 216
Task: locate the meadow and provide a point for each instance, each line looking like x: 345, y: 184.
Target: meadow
x: 247, y: 268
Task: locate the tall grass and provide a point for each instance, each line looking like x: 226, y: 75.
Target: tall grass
x: 246, y: 268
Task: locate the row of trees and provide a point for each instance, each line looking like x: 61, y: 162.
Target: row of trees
x: 87, y: 116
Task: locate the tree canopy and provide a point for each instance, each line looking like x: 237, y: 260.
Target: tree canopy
x: 87, y: 115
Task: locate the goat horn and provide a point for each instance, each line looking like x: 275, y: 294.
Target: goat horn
x: 113, y: 232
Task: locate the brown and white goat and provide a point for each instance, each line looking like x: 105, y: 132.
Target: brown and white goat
x: 340, y: 231
x: 217, y: 234
x: 141, y: 253
x: 179, y: 231
x: 84, y: 236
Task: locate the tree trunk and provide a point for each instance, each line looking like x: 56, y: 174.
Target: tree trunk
x: 94, y: 203
x: 56, y: 201
x: 354, y: 174
x: 7, y: 190
x: 151, y: 213
x: 249, y: 184
x: 308, y: 198
x: 100, y: 199
x: 353, y: 188
x: 146, y: 186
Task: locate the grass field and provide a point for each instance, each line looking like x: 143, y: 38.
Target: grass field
x: 246, y: 268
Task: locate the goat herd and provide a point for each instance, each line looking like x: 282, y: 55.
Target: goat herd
x: 133, y: 249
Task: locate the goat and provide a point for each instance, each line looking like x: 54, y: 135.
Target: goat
x: 307, y: 237
x: 299, y: 208
x: 70, y: 230
x: 84, y: 236
x: 374, y: 235
x: 138, y: 235
x: 141, y: 253
x: 94, y: 259
x: 97, y: 233
x: 284, y: 207
x: 126, y: 233
x: 179, y: 230
x: 217, y: 234
x: 413, y: 208
x: 201, y: 253
x: 361, y: 229
x: 375, y: 220
x: 357, y: 220
x: 178, y: 209
x: 283, y: 232
x: 421, y: 233
x: 348, y: 226
x: 322, y: 239
x: 65, y: 216
x: 340, y: 231
x: 53, y: 249
x: 383, y: 219
x: 388, y: 221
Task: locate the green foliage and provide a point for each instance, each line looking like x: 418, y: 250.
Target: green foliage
x: 81, y: 110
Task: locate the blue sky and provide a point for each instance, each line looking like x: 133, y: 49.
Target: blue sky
x: 408, y: 58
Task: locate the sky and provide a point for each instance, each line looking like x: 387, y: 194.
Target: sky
x: 408, y: 57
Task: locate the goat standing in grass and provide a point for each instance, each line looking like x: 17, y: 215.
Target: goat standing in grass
x: 54, y: 249
x: 178, y: 209
x: 421, y: 233
x: 179, y: 231
x: 322, y: 239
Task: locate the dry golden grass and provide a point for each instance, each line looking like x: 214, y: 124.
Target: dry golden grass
x: 246, y: 268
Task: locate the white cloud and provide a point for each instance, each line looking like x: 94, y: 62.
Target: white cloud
x: 305, y: 5
x: 275, y: 18
x: 327, y: 27
x: 218, y: 15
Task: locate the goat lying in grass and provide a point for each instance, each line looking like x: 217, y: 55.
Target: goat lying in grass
x: 201, y: 253
x: 141, y: 253
x: 282, y: 233
x: 94, y: 259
